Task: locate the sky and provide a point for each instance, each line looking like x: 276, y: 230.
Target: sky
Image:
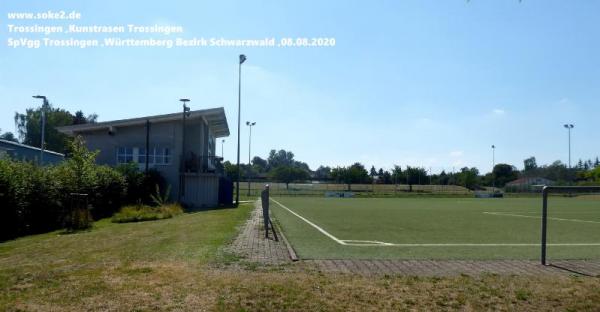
x: 419, y: 83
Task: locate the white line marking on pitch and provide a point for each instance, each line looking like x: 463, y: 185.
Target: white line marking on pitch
x: 507, y: 214
x: 312, y: 224
x: 468, y: 244
x: 360, y: 243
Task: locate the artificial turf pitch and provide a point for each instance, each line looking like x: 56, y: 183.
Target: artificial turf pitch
x: 438, y: 228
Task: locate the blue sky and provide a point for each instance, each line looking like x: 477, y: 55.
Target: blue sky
x: 420, y: 83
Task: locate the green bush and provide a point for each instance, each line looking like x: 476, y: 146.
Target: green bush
x: 139, y: 184
x: 109, y: 192
x: 136, y: 213
x: 30, y: 199
x: 38, y: 199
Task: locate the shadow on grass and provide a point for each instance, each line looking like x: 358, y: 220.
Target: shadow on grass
x: 71, y: 231
x: 574, y: 271
x: 202, y: 209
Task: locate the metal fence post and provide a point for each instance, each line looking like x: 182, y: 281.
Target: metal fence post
x: 264, y: 198
x: 544, y: 222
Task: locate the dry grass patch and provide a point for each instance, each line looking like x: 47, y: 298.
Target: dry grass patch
x: 183, y: 286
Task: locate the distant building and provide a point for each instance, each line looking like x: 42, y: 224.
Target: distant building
x: 528, y: 184
x: 191, y: 167
x: 23, y: 152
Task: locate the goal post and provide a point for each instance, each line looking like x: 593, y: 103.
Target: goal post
x: 558, y: 190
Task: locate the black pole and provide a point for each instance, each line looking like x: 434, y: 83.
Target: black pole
x: 147, y: 142
x: 182, y: 158
x: 237, y: 183
x: 183, y: 153
x: 544, y: 222
x: 249, y: 151
x: 569, y: 147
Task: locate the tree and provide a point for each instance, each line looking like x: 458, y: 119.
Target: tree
x: 29, y: 126
x: 397, y: 175
x: 230, y: 170
x: 355, y: 173
x: 385, y: 177
x: 415, y: 175
x: 593, y: 176
x: 9, y: 136
x: 323, y: 173
x: 559, y: 172
x: 280, y: 158
x: 373, y: 171
x: 259, y: 164
x: 530, y: 164
x: 467, y: 177
x: 79, y: 118
x: 338, y: 174
x: 504, y: 173
x: 441, y: 179
x: 287, y: 174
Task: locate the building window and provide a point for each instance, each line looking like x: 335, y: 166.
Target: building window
x: 141, y: 156
x: 156, y: 155
x: 162, y: 156
x: 124, y: 155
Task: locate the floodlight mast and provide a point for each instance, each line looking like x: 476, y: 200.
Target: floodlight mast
x: 43, y: 127
x: 569, y: 127
x: 237, y: 183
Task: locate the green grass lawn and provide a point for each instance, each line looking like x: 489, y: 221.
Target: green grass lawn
x: 112, y: 260
x: 438, y: 223
x: 179, y: 264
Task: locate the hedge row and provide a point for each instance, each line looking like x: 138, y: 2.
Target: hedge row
x: 36, y: 199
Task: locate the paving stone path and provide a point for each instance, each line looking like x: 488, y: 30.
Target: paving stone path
x: 455, y: 267
x: 252, y: 246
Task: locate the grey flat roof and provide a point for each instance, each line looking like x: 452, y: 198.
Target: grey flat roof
x: 15, y: 144
x: 215, y: 117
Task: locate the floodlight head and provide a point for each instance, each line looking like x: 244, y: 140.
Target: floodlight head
x: 254, y: 123
x: 184, y: 100
x: 493, y: 146
x: 242, y: 58
x: 247, y: 123
x: 39, y: 97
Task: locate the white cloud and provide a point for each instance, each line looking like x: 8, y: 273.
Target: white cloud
x: 498, y: 111
x: 456, y: 153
